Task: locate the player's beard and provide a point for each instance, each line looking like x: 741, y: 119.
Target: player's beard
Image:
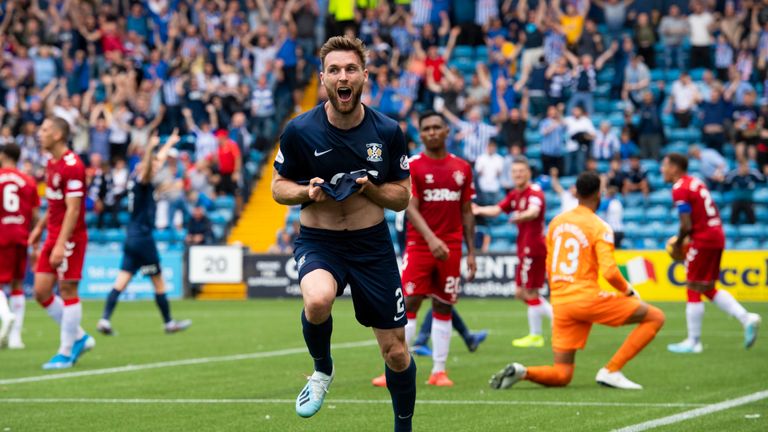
x: 345, y: 107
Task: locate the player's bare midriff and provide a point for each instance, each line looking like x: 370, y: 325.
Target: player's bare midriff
x: 354, y: 213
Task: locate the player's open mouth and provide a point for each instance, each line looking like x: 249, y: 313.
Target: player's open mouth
x: 345, y: 94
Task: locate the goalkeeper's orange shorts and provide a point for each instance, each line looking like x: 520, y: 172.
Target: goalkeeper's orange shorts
x: 573, y: 320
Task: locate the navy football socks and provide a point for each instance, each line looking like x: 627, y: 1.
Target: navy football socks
x: 318, y: 340
x: 402, y: 389
x: 165, y: 308
x: 111, y: 303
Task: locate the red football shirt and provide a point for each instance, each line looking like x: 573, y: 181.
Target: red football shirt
x: 64, y: 178
x: 530, y: 235
x: 18, y: 198
x: 442, y: 186
x: 692, y: 196
x: 228, y: 154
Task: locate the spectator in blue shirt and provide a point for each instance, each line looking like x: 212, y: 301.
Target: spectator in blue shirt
x: 552, y: 130
x: 713, y: 165
x: 714, y: 113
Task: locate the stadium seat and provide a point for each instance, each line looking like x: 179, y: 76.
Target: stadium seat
x: 675, y: 147
x: 218, y: 218
x: 747, y: 244
x: 661, y: 198
x: 481, y: 53
x: 657, y: 214
x: 656, y: 182
x: 463, y: 52
x: 95, y: 235
x: 694, y: 166
x: 646, y: 243
x: 218, y: 232
x: 725, y: 213
x: 634, y: 214
x: 507, y: 231
x: 756, y: 232
x: 634, y: 199
x: 650, y: 165
x: 730, y: 231
x: 761, y: 196
x: 533, y: 137
x: 761, y: 213
x: 567, y: 181
x: 500, y: 245
x: 224, y: 202
x: 114, y: 235
x: 533, y: 151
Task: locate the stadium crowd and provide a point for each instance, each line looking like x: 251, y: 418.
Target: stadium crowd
x: 606, y: 85
x: 223, y: 73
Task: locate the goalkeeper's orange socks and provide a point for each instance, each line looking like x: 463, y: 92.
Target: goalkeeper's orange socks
x: 638, y: 339
x: 558, y: 375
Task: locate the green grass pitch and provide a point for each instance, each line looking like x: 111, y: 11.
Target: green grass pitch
x: 256, y: 392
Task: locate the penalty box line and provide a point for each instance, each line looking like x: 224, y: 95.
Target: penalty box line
x: 698, y: 412
x: 175, y: 363
x: 132, y: 401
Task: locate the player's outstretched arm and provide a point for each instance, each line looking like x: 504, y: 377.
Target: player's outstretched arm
x: 529, y: 214
x: 174, y: 138
x: 392, y: 195
x: 486, y: 211
x: 146, y: 160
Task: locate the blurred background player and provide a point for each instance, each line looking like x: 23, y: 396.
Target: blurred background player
x: 19, y: 205
x: 140, y: 251
x: 61, y: 257
x: 579, y: 244
x: 439, y: 216
x: 526, y: 203
x: 700, y: 222
x: 471, y: 339
x: 345, y: 163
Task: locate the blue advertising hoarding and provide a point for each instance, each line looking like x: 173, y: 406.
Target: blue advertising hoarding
x: 101, y: 267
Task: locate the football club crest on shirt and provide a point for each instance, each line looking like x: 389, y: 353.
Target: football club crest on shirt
x: 429, y: 178
x: 459, y: 177
x: 374, y: 152
x: 56, y: 180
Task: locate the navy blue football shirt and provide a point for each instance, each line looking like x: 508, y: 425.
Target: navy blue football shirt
x: 311, y: 146
x: 141, y: 205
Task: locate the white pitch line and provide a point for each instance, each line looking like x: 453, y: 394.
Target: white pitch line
x: 338, y: 401
x: 687, y: 415
x: 174, y: 363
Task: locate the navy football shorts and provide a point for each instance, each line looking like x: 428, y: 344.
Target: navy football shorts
x: 364, y: 259
x: 140, y: 255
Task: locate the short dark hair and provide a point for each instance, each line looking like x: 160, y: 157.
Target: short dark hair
x: 587, y: 184
x: 679, y: 160
x: 61, y: 125
x: 342, y: 43
x: 430, y: 113
x: 12, y: 151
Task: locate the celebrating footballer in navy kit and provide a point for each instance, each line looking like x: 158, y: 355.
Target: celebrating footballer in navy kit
x: 345, y: 163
